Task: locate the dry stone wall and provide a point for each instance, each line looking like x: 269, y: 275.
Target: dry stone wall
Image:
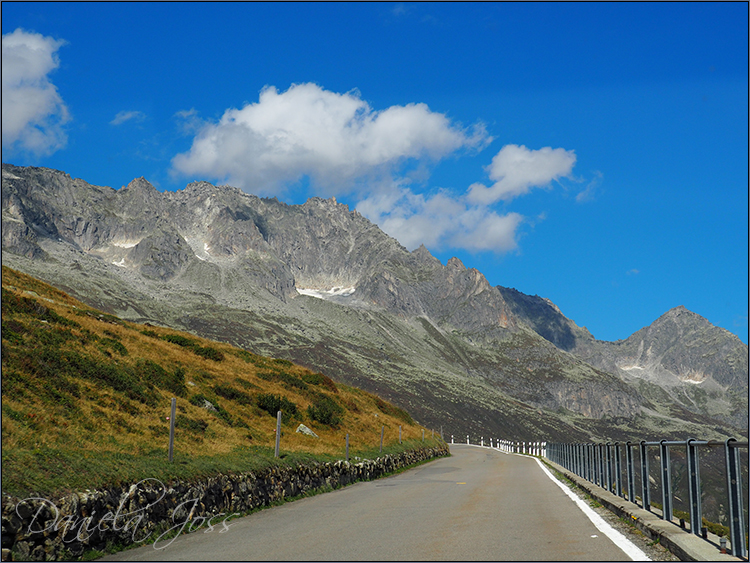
x: 60, y: 529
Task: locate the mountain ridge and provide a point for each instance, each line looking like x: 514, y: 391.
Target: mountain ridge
x: 235, y: 267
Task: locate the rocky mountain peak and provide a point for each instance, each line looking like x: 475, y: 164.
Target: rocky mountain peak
x: 455, y: 264
x: 425, y: 256
x: 140, y: 184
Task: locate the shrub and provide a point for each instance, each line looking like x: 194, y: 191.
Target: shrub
x: 320, y: 379
x: 209, y: 353
x: 13, y: 304
x: 161, y: 378
x: 249, y: 357
x: 191, y: 424
x: 199, y: 400
x: 326, y: 411
x: 116, y: 345
x: 12, y: 331
x: 232, y: 394
x: 275, y: 403
x: 179, y: 340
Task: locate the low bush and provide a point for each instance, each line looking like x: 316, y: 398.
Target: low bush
x: 232, y: 394
x: 274, y: 403
x: 115, y: 345
x: 209, y: 353
x: 326, y: 411
x: 163, y: 379
x: 179, y: 340
x: 320, y: 379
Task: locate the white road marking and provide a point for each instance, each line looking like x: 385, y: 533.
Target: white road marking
x: 619, y: 540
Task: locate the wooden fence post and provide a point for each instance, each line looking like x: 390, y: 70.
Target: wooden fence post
x: 171, y: 430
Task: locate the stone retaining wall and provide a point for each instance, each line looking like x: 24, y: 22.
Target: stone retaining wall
x: 41, y: 529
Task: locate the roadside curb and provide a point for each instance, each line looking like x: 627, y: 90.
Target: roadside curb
x: 683, y: 544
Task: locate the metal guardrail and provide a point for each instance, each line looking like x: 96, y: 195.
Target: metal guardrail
x: 601, y: 464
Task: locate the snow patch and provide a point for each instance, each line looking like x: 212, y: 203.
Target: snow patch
x: 694, y: 378
x: 121, y: 263
x: 125, y: 243
x: 327, y: 293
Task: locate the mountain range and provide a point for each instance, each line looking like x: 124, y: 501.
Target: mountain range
x: 322, y: 286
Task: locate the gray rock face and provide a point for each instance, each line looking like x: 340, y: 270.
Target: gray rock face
x: 436, y: 339
x: 702, y: 368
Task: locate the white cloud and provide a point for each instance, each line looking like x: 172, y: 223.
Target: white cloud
x: 589, y: 192
x: 468, y: 221
x: 516, y: 170
x: 440, y: 220
x: 33, y: 112
x: 124, y: 116
x: 335, y: 139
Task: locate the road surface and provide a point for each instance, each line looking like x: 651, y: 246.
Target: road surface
x: 479, y: 504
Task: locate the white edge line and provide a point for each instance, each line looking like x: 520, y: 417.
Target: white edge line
x: 619, y: 540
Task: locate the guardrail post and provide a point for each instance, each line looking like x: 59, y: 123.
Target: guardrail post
x: 595, y: 451
x: 645, y: 492
x: 666, y: 482
x: 618, y: 471
x: 582, y: 459
x: 734, y: 494
x: 694, y: 487
x: 602, y: 473
x: 609, y: 467
x: 631, y: 472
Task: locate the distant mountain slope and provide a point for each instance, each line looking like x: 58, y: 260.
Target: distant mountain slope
x: 701, y: 367
x: 435, y: 339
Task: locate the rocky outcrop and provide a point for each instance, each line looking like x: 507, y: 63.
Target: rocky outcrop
x: 63, y: 528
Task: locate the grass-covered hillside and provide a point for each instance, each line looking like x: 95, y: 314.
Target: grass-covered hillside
x: 86, y: 399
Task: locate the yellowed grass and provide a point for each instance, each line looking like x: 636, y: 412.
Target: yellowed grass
x: 108, y: 421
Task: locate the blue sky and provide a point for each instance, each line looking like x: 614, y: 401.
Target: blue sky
x: 594, y: 154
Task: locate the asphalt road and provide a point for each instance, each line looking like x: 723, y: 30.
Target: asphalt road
x: 479, y: 504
